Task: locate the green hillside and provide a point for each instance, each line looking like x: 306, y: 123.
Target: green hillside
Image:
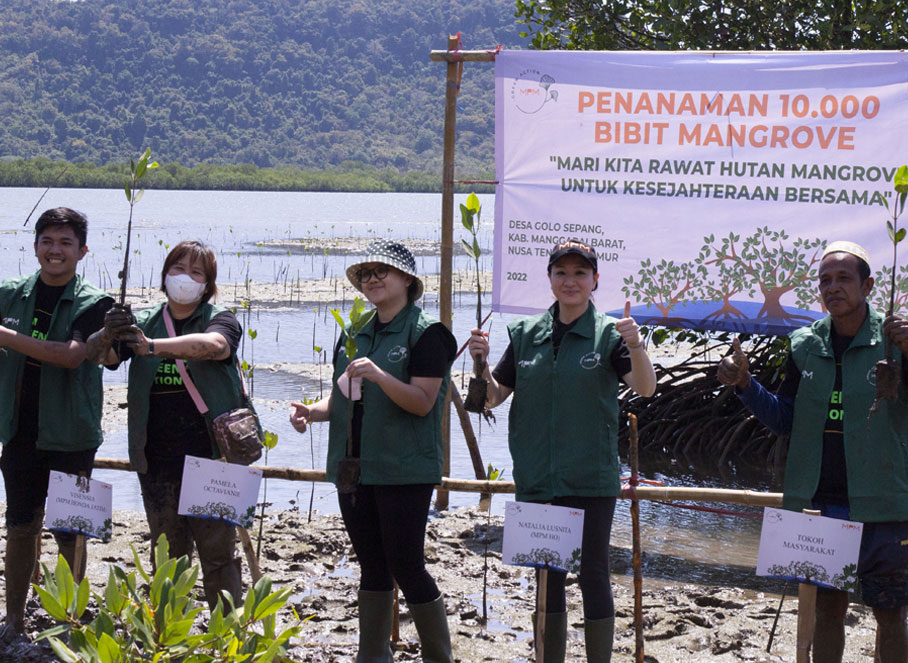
x: 311, y: 84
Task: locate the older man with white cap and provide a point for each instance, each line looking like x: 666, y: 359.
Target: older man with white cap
x: 840, y: 461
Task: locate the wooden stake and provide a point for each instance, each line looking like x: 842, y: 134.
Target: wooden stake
x: 542, y: 582
x: 479, y: 467
x: 78, y: 556
x: 447, y: 242
x: 637, y: 548
x: 807, y: 613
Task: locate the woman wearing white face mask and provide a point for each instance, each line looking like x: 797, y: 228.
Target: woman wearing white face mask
x: 165, y: 425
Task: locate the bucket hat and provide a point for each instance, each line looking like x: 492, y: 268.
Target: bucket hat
x: 390, y: 253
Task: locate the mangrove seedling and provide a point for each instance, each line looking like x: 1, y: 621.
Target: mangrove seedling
x: 470, y: 215
x: 492, y: 474
x: 348, y: 467
x: 137, y: 170
x: 887, y: 370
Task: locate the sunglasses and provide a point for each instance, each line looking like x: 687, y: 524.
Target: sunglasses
x: 366, y: 273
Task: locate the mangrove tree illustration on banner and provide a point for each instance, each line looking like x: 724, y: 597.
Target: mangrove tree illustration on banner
x: 700, y: 293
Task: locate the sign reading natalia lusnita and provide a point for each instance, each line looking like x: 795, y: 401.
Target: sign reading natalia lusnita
x: 707, y: 183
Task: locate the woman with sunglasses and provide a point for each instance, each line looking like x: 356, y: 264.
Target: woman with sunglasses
x: 403, y: 360
x: 563, y: 367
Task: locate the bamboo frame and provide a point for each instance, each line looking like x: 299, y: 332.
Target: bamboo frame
x: 652, y: 493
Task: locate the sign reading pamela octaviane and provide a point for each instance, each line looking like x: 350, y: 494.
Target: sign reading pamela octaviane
x: 222, y: 491
x: 542, y: 536
x: 79, y: 505
x: 814, y: 549
x: 707, y: 183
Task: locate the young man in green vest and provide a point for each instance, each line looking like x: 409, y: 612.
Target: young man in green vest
x: 50, y: 398
x: 840, y: 461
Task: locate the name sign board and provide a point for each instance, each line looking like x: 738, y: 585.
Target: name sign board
x: 79, y: 505
x: 217, y: 490
x: 542, y: 536
x: 812, y: 549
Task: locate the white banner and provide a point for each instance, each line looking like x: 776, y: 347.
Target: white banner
x: 822, y: 551
x: 707, y: 183
x: 218, y: 490
x: 542, y: 536
x: 79, y: 505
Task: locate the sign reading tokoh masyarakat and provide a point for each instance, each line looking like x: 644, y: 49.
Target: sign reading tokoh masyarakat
x: 707, y: 183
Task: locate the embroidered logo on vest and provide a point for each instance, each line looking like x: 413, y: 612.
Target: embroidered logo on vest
x: 397, y: 354
x: 807, y: 375
x: 590, y: 360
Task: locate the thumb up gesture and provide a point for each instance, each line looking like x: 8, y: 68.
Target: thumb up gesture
x: 733, y: 368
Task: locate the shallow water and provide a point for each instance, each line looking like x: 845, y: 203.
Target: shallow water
x: 236, y: 223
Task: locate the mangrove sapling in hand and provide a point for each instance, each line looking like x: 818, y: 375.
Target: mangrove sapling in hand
x: 887, y: 371
x: 470, y: 215
x: 348, y: 467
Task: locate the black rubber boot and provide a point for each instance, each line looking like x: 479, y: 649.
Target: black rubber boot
x: 431, y: 621
x: 375, y: 618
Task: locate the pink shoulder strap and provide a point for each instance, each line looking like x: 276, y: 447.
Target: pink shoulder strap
x: 181, y: 369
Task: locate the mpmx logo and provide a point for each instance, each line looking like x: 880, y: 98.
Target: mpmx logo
x: 590, y: 360
x: 397, y: 354
x: 807, y: 375
x: 531, y: 90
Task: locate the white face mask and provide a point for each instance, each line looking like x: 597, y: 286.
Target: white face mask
x: 182, y: 289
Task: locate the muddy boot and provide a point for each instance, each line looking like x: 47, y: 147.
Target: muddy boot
x: 599, y: 635
x: 227, y: 578
x: 431, y: 623
x: 375, y: 617
x: 21, y: 557
x: 555, y: 636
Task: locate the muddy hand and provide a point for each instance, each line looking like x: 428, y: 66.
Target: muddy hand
x: 117, y: 321
x: 896, y: 330
x: 734, y: 368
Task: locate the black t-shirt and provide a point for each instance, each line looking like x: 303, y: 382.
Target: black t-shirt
x: 431, y: 357
x: 46, y: 298
x: 505, y: 372
x: 176, y: 428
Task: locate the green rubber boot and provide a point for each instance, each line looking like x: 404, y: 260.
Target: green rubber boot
x: 431, y: 623
x: 599, y: 635
x: 375, y: 617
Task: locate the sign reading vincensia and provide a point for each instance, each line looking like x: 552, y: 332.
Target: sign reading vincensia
x: 542, y: 536
x: 822, y: 551
x: 707, y: 183
x: 222, y: 491
x: 79, y: 505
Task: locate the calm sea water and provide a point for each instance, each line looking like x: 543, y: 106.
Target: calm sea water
x: 696, y: 546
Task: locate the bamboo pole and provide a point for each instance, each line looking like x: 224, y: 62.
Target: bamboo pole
x: 462, y: 56
x: 473, y: 446
x: 447, y: 240
x: 656, y: 493
x: 637, y: 548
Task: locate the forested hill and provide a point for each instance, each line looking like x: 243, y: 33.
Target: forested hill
x: 312, y: 83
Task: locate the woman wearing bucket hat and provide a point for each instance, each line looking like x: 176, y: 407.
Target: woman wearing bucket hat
x: 563, y: 427
x: 404, y: 359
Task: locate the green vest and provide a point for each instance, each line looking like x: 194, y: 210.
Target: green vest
x: 876, y: 449
x: 396, y: 447
x: 563, y: 424
x: 70, y: 400
x: 218, y: 382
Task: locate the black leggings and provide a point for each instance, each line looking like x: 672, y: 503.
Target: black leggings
x: 387, y: 527
x: 595, y: 583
